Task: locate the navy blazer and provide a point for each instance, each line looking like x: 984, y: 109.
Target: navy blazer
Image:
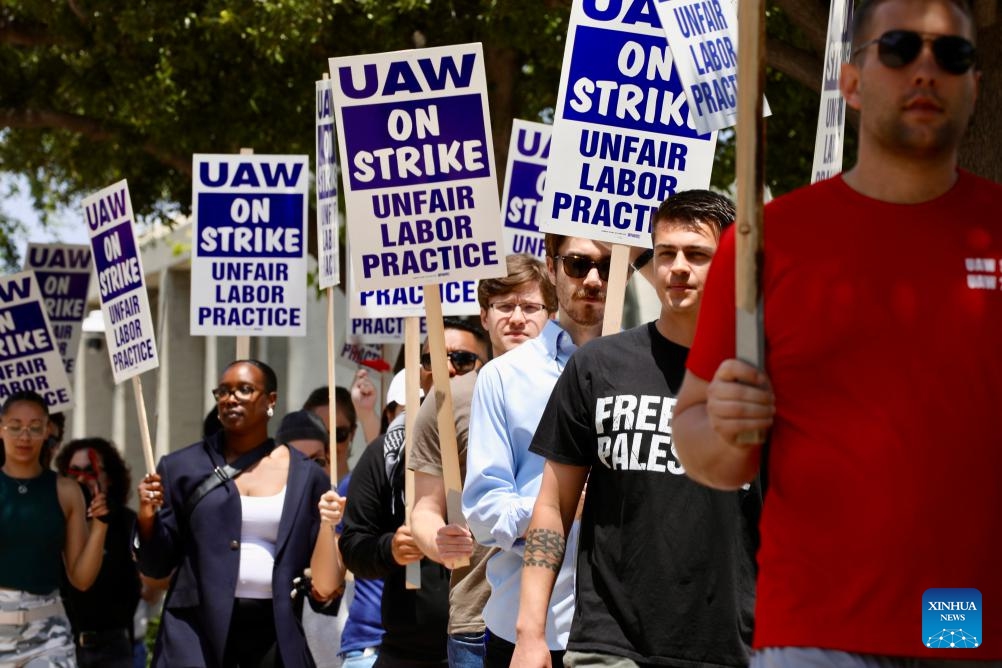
x: 205, y: 551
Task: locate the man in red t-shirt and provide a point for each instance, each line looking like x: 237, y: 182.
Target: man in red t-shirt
x: 882, y: 375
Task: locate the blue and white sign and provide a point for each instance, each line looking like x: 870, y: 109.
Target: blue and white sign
x: 29, y: 354
x: 128, y: 324
x: 704, y: 42
x: 377, y: 316
x: 829, y: 140
x: 379, y: 330
x: 63, y: 273
x: 248, y: 259
x: 419, y: 177
x: 622, y: 133
x: 524, y: 184
x: 328, y: 221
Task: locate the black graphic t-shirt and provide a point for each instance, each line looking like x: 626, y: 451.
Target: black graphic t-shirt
x: 665, y: 568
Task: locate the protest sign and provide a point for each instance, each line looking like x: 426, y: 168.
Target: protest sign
x: 63, y: 273
x: 358, y: 353
x: 420, y: 183
x: 831, y: 114
x: 29, y: 356
x: 121, y: 282
x: 248, y: 259
x: 704, y: 43
x: 524, y: 183
x: 328, y: 268
x: 377, y: 316
x: 623, y: 138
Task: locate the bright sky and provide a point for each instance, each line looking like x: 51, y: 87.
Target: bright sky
x: 68, y: 225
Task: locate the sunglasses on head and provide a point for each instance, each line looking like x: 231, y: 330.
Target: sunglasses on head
x: 897, y: 48
x: 578, y: 266
x: 462, y: 360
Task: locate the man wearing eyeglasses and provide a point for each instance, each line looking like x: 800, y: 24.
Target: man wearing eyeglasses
x: 375, y: 542
x: 882, y: 394
x: 513, y: 309
x: 502, y: 476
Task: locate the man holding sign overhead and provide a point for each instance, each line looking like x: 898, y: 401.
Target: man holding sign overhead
x: 877, y: 429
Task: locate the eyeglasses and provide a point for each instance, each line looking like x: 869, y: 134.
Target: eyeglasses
x: 34, y: 431
x: 897, y: 48
x: 341, y: 434
x: 578, y: 266
x: 462, y: 360
x: 508, y: 308
x: 241, y: 392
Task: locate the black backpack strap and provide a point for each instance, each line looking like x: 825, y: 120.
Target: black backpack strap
x: 221, y: 474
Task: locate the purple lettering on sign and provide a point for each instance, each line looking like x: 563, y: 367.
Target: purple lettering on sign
x: 116, y: 262
x: 525, y: 191
x: 23, y: 331
x: 414, y: 142
x: 249, y: 225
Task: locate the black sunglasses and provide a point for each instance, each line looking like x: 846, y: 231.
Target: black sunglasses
x: 897, y: 48
x: 341, y: 434
x: 462, y: 360
x: 578, y: 266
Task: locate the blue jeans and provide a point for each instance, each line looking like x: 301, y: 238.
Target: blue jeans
x: 358, y: 658
x: 467, y: 650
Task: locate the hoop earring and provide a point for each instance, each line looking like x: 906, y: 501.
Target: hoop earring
x: 271, y: 411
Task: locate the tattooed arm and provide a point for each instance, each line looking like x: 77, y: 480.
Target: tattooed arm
x: 559, y: 493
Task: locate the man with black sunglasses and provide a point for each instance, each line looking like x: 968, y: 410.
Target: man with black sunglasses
x: 502, y: 476
x: 882, y: 314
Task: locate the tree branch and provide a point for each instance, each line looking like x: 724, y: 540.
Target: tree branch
x: 802, y: 66
x: 34, y: 34
x: 811, y: 17
x: 90, y: 128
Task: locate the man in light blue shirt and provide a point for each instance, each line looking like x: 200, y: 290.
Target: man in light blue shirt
x: 503, y: 477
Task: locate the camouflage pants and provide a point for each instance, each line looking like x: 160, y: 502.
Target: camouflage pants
x: 43, y: 643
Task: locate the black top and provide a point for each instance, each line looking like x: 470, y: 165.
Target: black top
x: 415, y: 620
x: 666, y: 567
x: 111, y: 601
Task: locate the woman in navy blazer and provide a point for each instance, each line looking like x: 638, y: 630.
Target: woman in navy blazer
x: 204, y: 622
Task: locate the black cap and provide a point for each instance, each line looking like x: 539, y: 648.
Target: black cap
x: 302, y: 425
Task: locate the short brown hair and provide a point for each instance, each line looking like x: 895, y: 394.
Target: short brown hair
x: 552, y: 243
x: 523, y: 270
x: 693, y: 208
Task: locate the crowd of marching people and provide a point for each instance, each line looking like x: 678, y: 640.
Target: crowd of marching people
x: 620, y: 506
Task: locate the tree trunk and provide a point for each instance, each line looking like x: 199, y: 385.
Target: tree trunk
x: 980, y: 151
x: 501, y: 63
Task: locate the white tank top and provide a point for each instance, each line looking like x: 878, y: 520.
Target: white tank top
x: 258, y: 537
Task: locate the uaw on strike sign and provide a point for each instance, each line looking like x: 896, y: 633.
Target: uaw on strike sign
x: 623, y: 135
x: 418, y: 163
x: 121, y: 282
x: 248, y: 260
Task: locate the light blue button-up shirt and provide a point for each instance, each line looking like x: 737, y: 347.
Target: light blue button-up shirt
x: 503, y: 477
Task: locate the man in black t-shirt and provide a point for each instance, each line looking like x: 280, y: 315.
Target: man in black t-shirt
x: 665, y: 567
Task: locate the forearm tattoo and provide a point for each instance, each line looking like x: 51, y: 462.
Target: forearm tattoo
x: 545, y: 548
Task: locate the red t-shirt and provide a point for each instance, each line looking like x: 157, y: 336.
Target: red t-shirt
x: 883, y: 328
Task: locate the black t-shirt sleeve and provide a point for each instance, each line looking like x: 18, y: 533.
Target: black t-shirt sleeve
x: 565, y: 433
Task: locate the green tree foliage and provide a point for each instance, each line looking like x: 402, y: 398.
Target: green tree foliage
x: 93, y: 91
